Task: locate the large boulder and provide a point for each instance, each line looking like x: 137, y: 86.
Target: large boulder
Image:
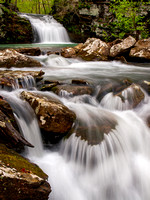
x: 54, y: 118
x: 94, y: 49
x: 20, y: 179
x: 122, y: 47
x: 11, y: 58
x: 141, y: 50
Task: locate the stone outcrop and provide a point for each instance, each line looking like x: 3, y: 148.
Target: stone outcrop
x: 20, y: 179
x: 122, y: 47
x: 141, y: 50
x: 13, y: 28
x: 54, y: 118
x: 11, y: 58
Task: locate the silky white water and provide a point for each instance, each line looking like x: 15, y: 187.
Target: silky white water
x: 46, y: 29
x: 115, y: 169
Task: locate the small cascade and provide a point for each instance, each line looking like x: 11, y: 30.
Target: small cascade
x: 26, y: 120
x: 26, y: 82
x: 46, y: 29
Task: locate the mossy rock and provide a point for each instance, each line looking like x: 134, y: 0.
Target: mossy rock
x: 14, y: 160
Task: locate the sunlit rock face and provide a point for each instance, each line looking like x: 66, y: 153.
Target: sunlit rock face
x: 11, y: 58
x: 54, y: 118
x: 141, y: 50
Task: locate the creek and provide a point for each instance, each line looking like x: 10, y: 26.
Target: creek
x: 115, y: 169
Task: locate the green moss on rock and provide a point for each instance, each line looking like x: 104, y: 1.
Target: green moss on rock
x: 14, y: 160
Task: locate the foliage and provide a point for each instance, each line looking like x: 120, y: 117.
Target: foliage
x: 128, y: 18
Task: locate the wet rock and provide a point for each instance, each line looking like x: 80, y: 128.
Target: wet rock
x: 9, y: 134
x: 8, y: 77
x: 94, y: 49
x: 145, y: 85
x: 34, y: 51
x: 114, y: 87
x: 73, y: 89
x: 143, y: 43
x: 148, y: 121
x: 68, y: 52
x: 93, y: 131
x: 20, y: 179
x: 48, y: 87
x: 122, y: 47
x: 54, y: 118
x: 132, y: 94
x: 53, y: 52
x: 11, y: 58
x: 80, y: 82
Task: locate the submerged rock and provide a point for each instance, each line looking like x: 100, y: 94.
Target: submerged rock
x: 11, y: 58
x: 122, y: 47
x: 73, y: 90
x: 20, y: 179
x: 132, y: 94
x: 54, y: 118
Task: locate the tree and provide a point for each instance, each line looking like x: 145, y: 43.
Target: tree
x: 128, y: 18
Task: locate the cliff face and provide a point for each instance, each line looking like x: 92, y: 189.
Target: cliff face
x: 86, y: 18
x: 14, y: 29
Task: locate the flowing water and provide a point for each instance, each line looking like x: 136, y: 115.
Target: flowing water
x: 116, y: 168
x: 46, y: 29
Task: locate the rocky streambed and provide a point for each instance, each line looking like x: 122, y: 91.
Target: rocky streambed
x: 17, y: 174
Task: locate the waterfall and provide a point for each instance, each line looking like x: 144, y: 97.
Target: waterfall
x: 46, y: 29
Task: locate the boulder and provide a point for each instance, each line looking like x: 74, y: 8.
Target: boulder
x: 132, y: 94
x: 73, y: 90
x: 94, y: 49
x: 8, y: 77
x: 93, y: 127
x: 68, y: 52
x: 140, y: 53
x: 54, y: 118
x: 122, y: 47
x: 145, y: 43
x: 34, y: 51
x: 11, y: 58
x: 20, y: 179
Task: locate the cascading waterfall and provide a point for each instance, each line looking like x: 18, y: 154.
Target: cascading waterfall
x: 46, y: 29
x: 117, y: 168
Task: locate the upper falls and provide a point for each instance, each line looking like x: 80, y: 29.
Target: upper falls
x: 46, y: 29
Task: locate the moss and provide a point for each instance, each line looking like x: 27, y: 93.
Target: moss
x: 14, y: 160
